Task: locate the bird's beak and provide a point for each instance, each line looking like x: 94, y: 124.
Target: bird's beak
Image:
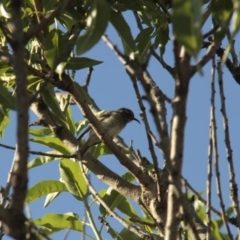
x: 136, y: 120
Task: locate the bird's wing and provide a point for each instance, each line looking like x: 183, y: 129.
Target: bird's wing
x: 100, y: 119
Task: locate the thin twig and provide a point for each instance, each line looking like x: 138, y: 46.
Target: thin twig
x: 99, y: 169
x: 143, y: 178
x: 232, y: 181
x: 210, y: 153
x: 206, y: 58
x: 147, y: 129
x: 155, y: 96
x: 170, y: 69
x: 200, y: 198
x: 136, y: 231
x: 152, y: 51
x: 138, y: 21
x: 45, y: 21
x: 39, y: 153
x: 210, y: 32
x: 216, y: 163
x: 88, y: 78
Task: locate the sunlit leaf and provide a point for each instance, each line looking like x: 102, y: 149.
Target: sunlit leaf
x: 70, y: 120
x: 80, y: 125
x: 3, y: 12
x: 60, y: 221
x: 49, y: 198
x: 43, y: 188
x: 72, y: 177
x: 52, y: 142
x: 40, y: 132
x: 41, y: 160
x: 116, y: 200
x: 4, y: 119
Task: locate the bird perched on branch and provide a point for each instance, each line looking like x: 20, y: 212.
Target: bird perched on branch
x: 113, y: 122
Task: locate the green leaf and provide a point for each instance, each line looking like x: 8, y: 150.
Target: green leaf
x: 4, y: 119
x: 128, y: 176
x: 143, y: 47
x: 69, y: 18
x: 236, y: 17
x: 54, y: 44
x: 48, y: 5
x: 101, y: 149
x: 72, y: 177
x: 76, y: 63
x: 80, y: 125
x: 162, y: 37
x: 6, y: 98
x: 33, y: 83
x: 49, y: 98
x: 52, y: 142
x: 43, y: 188
x: 42, y: 132
x: 59, y: 222
x: 124, y: 31
x: 40, y: 160
x: 186, y: 20
x: 221, y: 10
x: 144, y: 33
x: 215, y: 231
x: 114, y: 233
x: 126, y: 234
x: 116, y: 200
x: 70, y: 120
x: 66, y: 109
x: 96, y: 25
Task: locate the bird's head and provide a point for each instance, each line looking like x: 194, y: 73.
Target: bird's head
x: 128, y: 115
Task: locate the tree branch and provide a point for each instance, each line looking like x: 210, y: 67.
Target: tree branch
x: 45, y: 21
x: 19, y: 178
x: 143, y: 178
x: 101, y: 171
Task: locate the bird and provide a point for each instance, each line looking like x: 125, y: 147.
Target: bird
x: 113, y: 122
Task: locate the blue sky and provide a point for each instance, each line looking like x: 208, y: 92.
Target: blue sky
x: 112, y: 89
